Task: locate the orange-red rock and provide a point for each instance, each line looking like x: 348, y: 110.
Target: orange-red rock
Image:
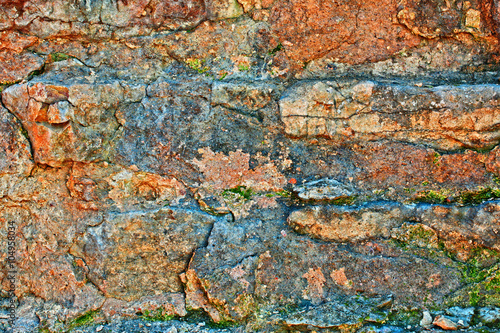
x: 351, y: 32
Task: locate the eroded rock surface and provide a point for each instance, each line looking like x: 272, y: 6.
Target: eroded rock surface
x: 351, y: 311
x: 129, y: 257
x: 249, y: 163
x: 440, y: 117
x: 377, y: 220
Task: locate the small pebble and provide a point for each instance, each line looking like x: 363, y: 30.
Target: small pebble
x: 99, y: 328
x: 426, y: 320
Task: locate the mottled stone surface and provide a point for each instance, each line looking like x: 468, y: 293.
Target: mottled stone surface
x: 351, y: 311
x: 324, y: 189
x: 446, y: 118
x: 129, y: 257
x: 357, y: 32
x: 15, y: 153
x: 433, y: 19
x: 252, y: 164
x: 261, y: 263
x: 377, y: 220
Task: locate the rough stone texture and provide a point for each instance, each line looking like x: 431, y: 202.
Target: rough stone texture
x: 252, y: 163
x: 452, y: 224
x: 489, y: 315
x: 171, y: 303
x: 445, y: 323
x: 64, y: 125
x: 433, y: 19
x: 359, y: 31
x: 338, y: 224
x: 104, y: 186
x: 461, y: 316
x: 323, y: 189
x: 15, y: 150
x: 136, y: 254
x: 340, y: 313
x: 264, y: 264
x: 446, y: 118
x: 16, y: 65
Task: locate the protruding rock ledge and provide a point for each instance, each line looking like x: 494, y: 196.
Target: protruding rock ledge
x: 478, y: 224
x: 443, y: 117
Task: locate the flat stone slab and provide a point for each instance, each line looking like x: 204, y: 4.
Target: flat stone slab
x: 347, y: 311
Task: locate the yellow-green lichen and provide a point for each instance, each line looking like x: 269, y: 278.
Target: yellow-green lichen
x: 464, y: 198
x: 281, y: 193
x: 344, y: 201
x: 436, y: 160
x: 478, y: 197
x: 243, y: 67
x: 418, y: 235
x: 405, y: 317
x: 198, y: 65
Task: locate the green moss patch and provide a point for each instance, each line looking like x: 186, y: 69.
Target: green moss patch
x: 404, y: 317
x: 58, y: 56
x: 157, y: 315
x: 239, y: 191
x: 481, y: 279
x: 278, y: 48
x: 87, y: 318
x: 222, y: 324
x: 431, y: 197
x: 465, y: 198
x: 198, y: 65
x: 282, y: 193
x: 478, y: 197
x: 417, y: 235
x: 5, y: 84
x: 346, y: 200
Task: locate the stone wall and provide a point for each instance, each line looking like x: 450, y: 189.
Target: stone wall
x: 249, y: 165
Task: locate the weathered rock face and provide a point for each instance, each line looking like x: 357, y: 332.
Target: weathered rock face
x: 61, y: 128
x: 135, y: 254
x: 353, y: 32
x: 15, y: 152
x: 443, y: 117
x: 456, y: 225
x: 274, y: 165
x: 433, y: 19
x: 272, y: 265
